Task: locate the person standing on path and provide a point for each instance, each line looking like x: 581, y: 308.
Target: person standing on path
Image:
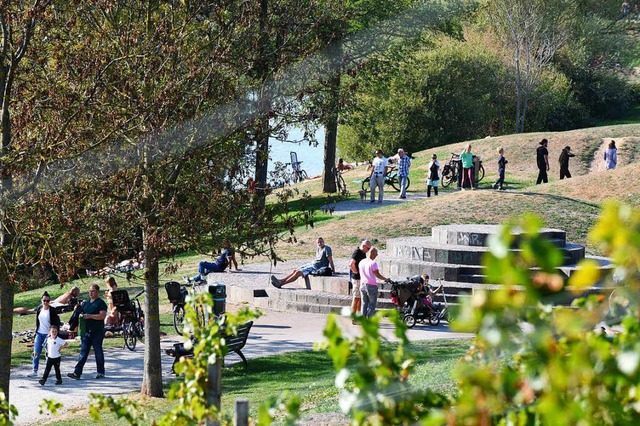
x: 94, y: 312
x: 433, y: 175
x: 379, y: 168
x: 45, y: 318
x: 358, y: 255
x: 467, y: 167
x: 404, y: 162
x: 611, y: 156
x: 324, y: 258
x: 502, y: 164
x: 542, y: 159
x: 369, y: 272
x: 54, y: 344
x: 564, y: 162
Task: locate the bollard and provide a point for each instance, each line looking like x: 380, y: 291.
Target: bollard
x: 242, y: 412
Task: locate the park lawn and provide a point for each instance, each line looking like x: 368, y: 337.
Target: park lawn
x: 307, y: 374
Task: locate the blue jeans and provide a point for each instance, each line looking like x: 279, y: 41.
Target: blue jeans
x: 403, y: 185
x: 369, y: 299
x: 204, y: 268
x: 91, y: 338
x: 39, y: 343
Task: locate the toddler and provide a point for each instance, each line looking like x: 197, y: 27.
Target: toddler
x: 54, y: 344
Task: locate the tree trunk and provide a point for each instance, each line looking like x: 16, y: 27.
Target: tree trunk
x: 152, y: 378
x: 6, y: 327
x: 331, y: 135
x: 264, y: 107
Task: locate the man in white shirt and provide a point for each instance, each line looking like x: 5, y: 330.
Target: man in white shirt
x: 379, y: 168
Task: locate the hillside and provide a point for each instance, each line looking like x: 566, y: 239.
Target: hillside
x: 572, y: 204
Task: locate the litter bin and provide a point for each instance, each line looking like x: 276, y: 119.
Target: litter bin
x: 218, y: 292
x: 476, y: 169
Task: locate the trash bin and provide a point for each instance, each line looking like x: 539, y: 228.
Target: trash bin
x: 218, y: 292
x: 476, y: 169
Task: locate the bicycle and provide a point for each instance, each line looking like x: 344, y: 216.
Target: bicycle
x: 177, y: 294
x: 451, y: 171
x: 298, y: 174
x: 131, y: 317
x: 341, y: 186
x: 391, y: 178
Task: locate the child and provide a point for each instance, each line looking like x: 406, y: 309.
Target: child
x: 433, y: 179
x: 502, y: 163
x: 426, y: 292
x: 54, y: 344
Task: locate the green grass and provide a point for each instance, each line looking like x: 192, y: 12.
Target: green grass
x: 309, y: 375
x: 632, y: 118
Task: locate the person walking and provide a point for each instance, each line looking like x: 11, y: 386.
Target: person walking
x: 54, y: 344
x: 502, y: 163
x: 467, y: 167
x: 379, y: 168
x: 611, y: 156
x: 94, y: 311
x: 433, y: 175
x: 369, y: 272
x: 404, y: 162
x: 45, y: 318
x: 564, y: 162
x: 542, y: 160
x: 358, y: 255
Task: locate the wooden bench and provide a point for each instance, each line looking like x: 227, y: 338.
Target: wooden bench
x: 234, y: 344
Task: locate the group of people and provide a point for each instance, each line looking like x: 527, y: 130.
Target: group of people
x: 379, y: 167
x: 93, y: 312
x: 542, y: 160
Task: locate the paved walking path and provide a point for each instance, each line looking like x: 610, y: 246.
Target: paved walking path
x: 391, y: 198
x: 274, y: 332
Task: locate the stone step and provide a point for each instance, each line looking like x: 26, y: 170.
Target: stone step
x: 424, y: 249
x: 477, y: 235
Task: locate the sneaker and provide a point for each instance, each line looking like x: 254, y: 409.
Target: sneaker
x: 186, y: 279
x: 373, y: 201
x: 275, y: 282
x: 59, y: 382
x: 42, y: 382
x: 73, y: 376
x: 33, y: 374
x: 99, y: 376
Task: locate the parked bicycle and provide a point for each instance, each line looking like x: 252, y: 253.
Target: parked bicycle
x: 391, y: 178
x: 451, y: 171
x: 131, y: 317
x: 341, y: 186
x: 298, y: 174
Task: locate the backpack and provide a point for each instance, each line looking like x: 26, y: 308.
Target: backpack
x: 325, y: 271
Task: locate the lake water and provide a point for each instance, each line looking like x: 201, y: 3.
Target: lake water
x: 312, y: 157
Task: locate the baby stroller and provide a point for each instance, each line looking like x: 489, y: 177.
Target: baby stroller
x: 407, y: 297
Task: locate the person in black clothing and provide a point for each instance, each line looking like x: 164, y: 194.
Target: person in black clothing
x: 542, y: 158
x: 564, y: 162
x: 354, y: 272
x: 502, y: 163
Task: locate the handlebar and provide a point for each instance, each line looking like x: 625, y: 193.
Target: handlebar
x: 139, y: 294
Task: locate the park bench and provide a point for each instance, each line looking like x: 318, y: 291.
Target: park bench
x: 234, y: 344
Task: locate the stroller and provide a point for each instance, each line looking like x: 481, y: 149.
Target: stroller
x: 407, y: 297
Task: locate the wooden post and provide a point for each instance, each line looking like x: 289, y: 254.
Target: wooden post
x: 242, y: 412
x: 214, y: 392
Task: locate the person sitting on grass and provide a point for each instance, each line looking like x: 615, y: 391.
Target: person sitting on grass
x: 324, y: 258
x: 63, y: 303
x: 226, y: 259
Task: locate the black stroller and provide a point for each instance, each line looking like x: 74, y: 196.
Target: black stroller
x: 407, y: 297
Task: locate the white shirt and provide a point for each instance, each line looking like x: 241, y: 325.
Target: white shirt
x: 379, y: 164
x: 45, y: 321
x: 54, y: 345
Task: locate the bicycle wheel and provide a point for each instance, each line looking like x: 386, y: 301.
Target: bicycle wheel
x: 129, y: 335
x: 447, y: 176
x: 341, y: 186
x: 481, y: 173
x: 302, y: 175
x: 394, y: 182
x: 139, y: 328
x: 178, y: 318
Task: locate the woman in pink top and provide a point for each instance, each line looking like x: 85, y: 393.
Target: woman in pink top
x: 369, y: 271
